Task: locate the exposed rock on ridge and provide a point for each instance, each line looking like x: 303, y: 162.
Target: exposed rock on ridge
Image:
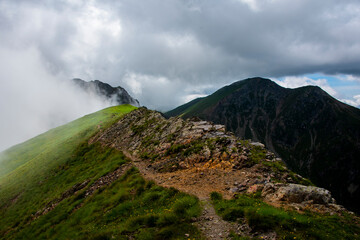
x: 116, y: 95
x: 199, y: 157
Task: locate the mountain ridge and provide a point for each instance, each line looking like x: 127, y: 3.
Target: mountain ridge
x: 116, y: 95
x: 315, y: 134
x: 120, y: 174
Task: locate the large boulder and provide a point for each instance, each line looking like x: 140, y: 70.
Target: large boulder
x: 295, y: 193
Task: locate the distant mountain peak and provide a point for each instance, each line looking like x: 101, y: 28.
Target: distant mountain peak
x: 116, y: 95
x: 315, y: 134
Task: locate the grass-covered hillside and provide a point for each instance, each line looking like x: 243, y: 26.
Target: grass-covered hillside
x: 74, y: 182
x: 48, y: 189
x: 287, y: 224
x: 33, y: 153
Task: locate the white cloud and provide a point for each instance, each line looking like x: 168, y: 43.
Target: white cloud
x: 156, y: 91
x: 354, y: 102
x: 252, y: 4
x: 190, y: 97
x: 162, y: 94
x: 32, y: 100
x: 294, y: 82
x: 349, y: 77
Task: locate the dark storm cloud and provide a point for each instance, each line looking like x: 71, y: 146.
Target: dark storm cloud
x: 280, y: 38
x: 201, y: 41
x: 164, y: 52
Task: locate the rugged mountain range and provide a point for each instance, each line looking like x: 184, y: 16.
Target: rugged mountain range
x: 129, y: 173
x: 316, y: 135
x: 116, y: 95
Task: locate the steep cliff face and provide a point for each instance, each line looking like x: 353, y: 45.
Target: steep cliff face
x: 116, y: 95
x: 316, y: 135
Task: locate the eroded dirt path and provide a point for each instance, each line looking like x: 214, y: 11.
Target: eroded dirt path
x: 211, y: 224
x: 194, y: 182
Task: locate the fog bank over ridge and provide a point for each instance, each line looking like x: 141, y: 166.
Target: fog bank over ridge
x: 39, y: 101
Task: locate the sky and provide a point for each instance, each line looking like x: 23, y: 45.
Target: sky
x: 166, y: 52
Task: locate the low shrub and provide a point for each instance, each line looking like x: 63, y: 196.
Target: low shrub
x: 215, y: 196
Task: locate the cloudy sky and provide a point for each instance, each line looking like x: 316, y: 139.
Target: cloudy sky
x: 166, y: 52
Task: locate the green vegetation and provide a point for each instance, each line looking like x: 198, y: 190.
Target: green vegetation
x: 34, y: 152
x: 37, y: 171
x: 278, y: 167
x: 185, y: 150
x: 179, y: 110
x: 257, y: 154
x: 53, y: 164
x: 30, y: 163
x: 196, y: 106
x: 87, y: 163
x: 175, y: 149
x: 287, y: 224
x: 149, y: 140
x: 152, y: 156
x: 129, y: 207
x: 204, y: 103
x: 137, y: 129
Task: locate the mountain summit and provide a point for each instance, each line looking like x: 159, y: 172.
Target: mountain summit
x: 316, y: 135
x: 116, y: 95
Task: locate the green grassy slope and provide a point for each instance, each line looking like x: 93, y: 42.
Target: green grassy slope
x: 26, y: 164
x: 179, y: 110
x: 33, y: 151
x: 288, y: 224
x: 196, y: 106
x: 53, y: 163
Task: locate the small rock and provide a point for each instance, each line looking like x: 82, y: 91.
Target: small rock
x: 254, y: 188
x: 257, y: 144
x: 183, y: 165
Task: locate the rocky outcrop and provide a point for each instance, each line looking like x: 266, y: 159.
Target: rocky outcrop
x: 295, y: 193
x: 181, y: 144
x: 115, y: 95
x: 200, y: 157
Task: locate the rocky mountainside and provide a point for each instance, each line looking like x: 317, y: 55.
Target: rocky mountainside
x: 129, y: 173
x: 199, y: 157
x: 116, y: 95
x: 316, y: 135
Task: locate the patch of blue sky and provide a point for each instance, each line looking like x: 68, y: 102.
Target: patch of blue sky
x: 340, y: 83
x: 345, y: 88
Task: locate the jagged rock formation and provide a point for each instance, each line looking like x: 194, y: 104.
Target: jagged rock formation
x: 316, y: 135
x: 116, y: 95
x: 200, y: 157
